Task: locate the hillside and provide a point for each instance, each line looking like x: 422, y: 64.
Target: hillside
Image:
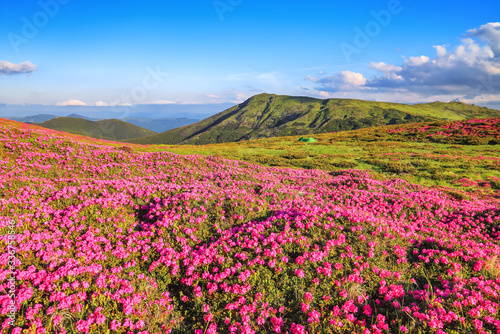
x: 267, y: 115
x: 110, y: 129
x: 108, y: 240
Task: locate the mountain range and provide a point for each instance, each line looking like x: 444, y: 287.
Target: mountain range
x: 109, y: 129
x: 153, y: 124
x: 269, y: 115
x: 152, y: 111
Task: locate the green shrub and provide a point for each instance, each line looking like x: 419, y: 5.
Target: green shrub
x: 295, y: 155
x: 399, y: 168
x: 344, y: 164
x: 494, y: 142
x: 445, y: 176
x: 494, y: 182
x: 374, y: 162
x: 441, y: 139
x: 420, y: 163
x: 475, y: 140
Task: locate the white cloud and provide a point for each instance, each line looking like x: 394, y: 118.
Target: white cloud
x: 344, y: 81
x: 352, y: 78
x: 440, y: 50
x: 8, y: 68
x: 101, y: 104
x: 469, y: 72
x: 71, y: 103
x: 490, y: 33
x: 234, y: 96
x: 112, y: 104
x: 481, y: 99
x: 383, y: 67
x: 240, y: 97
x: 416, y: 61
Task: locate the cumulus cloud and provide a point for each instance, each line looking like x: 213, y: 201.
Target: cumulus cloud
x: 470, y: 72
x: 101, y: 104
x: 71, y: 103
x: 383, y: 67
x: 344, y: 81
x: 111, y: 104
x: 440, y: 50
x: 490, y: 33
x: 416, y: 61
x: 482, y: 99
x: 8, y: 68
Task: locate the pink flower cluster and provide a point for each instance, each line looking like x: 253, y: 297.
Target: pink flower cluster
x: 489, y: 127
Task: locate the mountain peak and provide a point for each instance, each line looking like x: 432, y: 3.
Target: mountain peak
x: 271, y: 115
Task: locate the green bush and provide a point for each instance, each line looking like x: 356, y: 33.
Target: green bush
x: 475, y: 140
x: 374, y: 162
x: 494, y: 182
x: 420, y: 163
x: 344, y: 164
x: 399, y: 168
x: 494, y: 142
x: 445, y: 176
x: 295, y: 155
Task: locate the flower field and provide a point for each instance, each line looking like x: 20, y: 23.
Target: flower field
x: 464, y: 160
x: 471, y: 132
x: 110, y: 240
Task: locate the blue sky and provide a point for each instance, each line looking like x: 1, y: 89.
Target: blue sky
x: 141, y: 52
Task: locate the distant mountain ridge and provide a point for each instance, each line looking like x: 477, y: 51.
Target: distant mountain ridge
x: 151, y: 111
x: 153, y: 124
x: 269, y: 115
x: 32, y: 119
x: 109, y: 129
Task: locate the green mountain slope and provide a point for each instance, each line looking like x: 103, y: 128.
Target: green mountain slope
x: 110, y: 129
x: 268, y: 115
